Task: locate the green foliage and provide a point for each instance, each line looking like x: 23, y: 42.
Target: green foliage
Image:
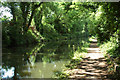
x: 55, y: 21
x: 73, y: 63
x: 30, y: 37
x: 61, y: 75
x: 62, y: 21
x: 65, y: 21
x: 106, y: 28
x: 13, y: 35
x: 107, y: 46
x: 105, y: 21
x: 111, y: 48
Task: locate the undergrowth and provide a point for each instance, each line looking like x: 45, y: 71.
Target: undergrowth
x: 111, y: 48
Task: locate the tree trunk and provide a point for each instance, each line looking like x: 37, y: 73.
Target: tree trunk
x: 32, y: 14
x: 25, y: 9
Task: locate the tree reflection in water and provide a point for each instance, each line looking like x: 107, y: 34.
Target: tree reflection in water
x: 37, y: 61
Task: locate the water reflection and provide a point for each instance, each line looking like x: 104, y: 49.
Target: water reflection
x: 38, y: 61
x: 45, y: 70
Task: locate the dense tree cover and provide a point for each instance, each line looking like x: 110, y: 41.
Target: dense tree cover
x: 63, y: 21
x: 59, y: 20
x: 107, y: 30
x: 106, y: 20
x: 107, y: 25
x: 15, y: 31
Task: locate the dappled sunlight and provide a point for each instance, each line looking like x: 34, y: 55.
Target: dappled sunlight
x: 94, y: 51
x: 95, y: 55
x: 39, y: 38
x: 97, y: 49
x: 93, y: 40
x: 93, y: 65
x: 78, y: 55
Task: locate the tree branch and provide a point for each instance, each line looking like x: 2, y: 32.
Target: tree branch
x: 34, y: 8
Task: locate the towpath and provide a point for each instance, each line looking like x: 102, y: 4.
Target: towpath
x: 93, y: 66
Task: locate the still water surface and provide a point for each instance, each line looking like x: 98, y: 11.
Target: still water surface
x: 38, y: 61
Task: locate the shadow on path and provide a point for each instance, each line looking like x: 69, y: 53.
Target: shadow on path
x: 93, y: 67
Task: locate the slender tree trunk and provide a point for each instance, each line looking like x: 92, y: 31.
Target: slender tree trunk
x: 32, y: 14
x: 25, y: 9
x: 31, y: 17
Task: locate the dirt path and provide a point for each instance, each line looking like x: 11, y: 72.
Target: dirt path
x: 93, y: 67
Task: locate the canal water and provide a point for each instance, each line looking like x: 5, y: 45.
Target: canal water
x: 36, y: 61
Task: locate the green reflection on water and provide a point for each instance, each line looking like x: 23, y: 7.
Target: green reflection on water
x: 38, y: 61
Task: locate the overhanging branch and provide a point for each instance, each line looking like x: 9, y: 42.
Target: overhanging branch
x: 33, y: 11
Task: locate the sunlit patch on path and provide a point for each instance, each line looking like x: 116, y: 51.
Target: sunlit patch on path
x: 93, y: 66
